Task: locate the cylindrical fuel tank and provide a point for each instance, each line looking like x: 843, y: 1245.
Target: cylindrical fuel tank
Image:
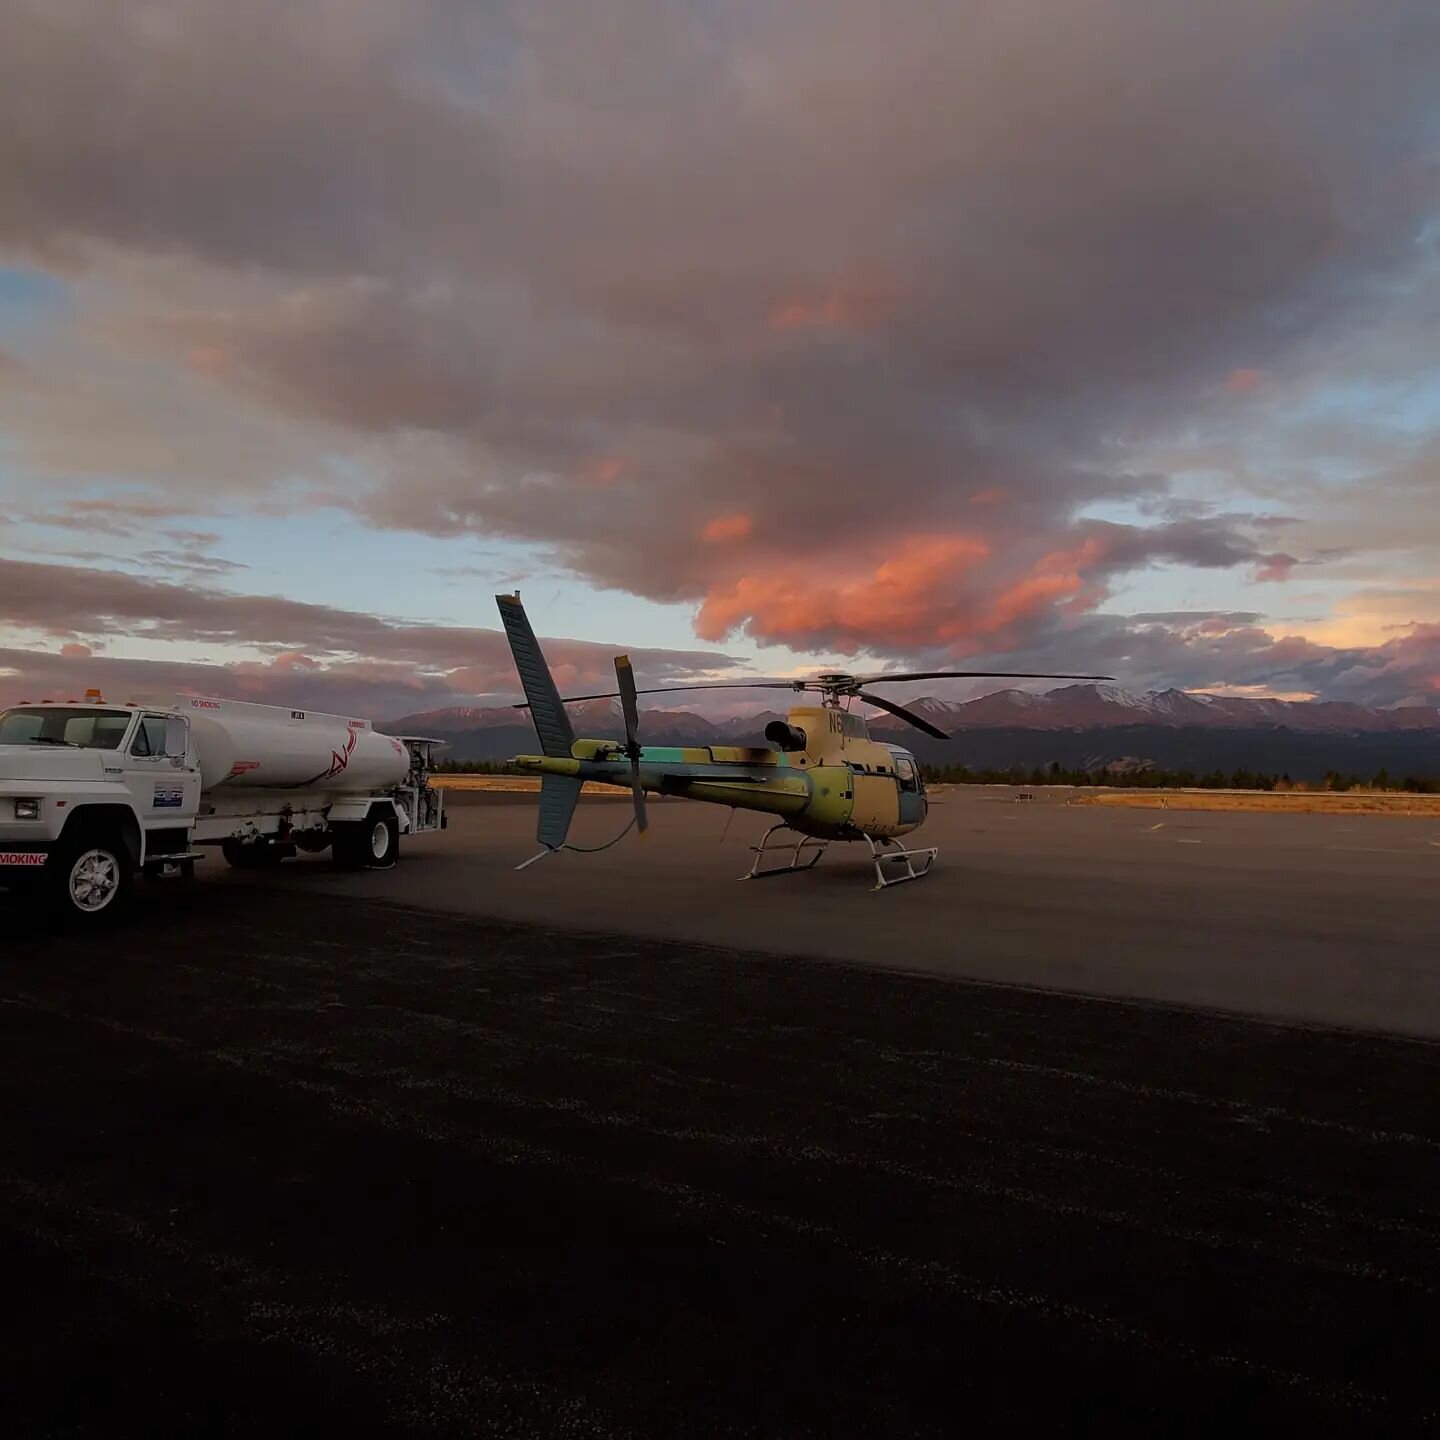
x: 269, y: 747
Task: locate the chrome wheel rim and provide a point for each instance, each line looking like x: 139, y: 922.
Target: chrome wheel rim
x: 94, y: 881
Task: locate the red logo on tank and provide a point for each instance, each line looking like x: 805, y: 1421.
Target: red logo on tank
x: 340, y: 758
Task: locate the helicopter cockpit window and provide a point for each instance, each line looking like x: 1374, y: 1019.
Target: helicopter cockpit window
x: 909, y: 780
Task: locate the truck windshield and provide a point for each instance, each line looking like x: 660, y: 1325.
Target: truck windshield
x: 84, y: 729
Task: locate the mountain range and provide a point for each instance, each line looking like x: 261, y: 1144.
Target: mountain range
x: 1084, y: 724
x: 1072, y: 707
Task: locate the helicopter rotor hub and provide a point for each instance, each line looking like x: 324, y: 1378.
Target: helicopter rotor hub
x: 834, y: 683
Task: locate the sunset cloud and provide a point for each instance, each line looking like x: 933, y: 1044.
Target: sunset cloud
x: 897, y: 598
x: 1241, y: 382
x: 311, y: 651
x: 342, y: 661
x: 726, y: 527
x: 713, y: 312
x: 858, y: 302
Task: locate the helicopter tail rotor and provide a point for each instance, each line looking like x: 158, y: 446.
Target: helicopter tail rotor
x: 625, y: 679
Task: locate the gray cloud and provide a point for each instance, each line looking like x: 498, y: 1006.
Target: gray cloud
x: 713, y: 306
x: 320, y: 656
x: 317, y: 647
x: 1206, y: 650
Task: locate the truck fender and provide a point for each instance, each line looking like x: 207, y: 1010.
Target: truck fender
x: 111, y: 818
x: 344, y: 812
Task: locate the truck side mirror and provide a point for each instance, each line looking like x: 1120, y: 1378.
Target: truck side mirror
x: 177, y: 738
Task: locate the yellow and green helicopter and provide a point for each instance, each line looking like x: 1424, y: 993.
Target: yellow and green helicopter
x: 824, y: 779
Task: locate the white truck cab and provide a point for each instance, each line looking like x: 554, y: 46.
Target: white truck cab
x: 93, y: 794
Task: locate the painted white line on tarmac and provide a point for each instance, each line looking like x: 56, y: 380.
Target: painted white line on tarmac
x: 1160, y: 826
x: 1189, y: 842
x: 1373, y: 849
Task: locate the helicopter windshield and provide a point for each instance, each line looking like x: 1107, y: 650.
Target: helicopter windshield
x: 80, y: 729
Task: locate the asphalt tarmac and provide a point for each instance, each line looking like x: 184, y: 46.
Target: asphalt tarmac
x: 1330, y: 919
x: 284, y: 1157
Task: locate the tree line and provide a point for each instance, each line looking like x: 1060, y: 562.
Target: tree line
x: 1131, y: 777
x: 1152, y: 778
x: 475, y: 767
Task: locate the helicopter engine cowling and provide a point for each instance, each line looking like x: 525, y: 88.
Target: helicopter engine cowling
x: 784, y: 736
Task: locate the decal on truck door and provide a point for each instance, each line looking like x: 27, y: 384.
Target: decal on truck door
x: 169, y: 797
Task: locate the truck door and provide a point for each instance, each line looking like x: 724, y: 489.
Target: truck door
x: 912, y: 792
x: 164, y: 784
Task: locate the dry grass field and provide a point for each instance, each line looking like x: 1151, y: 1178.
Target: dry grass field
x: 1287, y: 802
x: 1280, y: 802
x: 512, y: 785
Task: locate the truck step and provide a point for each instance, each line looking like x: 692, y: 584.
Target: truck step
x: 158, y: 864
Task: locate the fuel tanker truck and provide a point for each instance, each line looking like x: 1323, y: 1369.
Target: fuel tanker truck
x: 93, y: 795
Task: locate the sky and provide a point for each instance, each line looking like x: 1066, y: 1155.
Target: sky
x: 749, y: 338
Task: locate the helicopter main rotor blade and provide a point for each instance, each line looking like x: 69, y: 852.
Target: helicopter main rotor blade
x: 909, y: 716
x: 972, y: 675
x: 851, y: 685
x: 625, y: 678
x: 671, y: 689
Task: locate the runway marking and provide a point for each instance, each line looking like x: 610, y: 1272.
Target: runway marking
x: 1160, y: 826
x: 1373, y: 849
x: 1183, y: 841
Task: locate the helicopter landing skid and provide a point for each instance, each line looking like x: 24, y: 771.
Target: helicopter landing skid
x: 897, y: 857
x: 815, y: 846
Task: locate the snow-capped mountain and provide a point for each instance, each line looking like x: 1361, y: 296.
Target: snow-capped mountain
x: 1071, y: 707
x: 1084, y: 724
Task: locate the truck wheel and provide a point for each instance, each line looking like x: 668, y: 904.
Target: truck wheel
x: 382, y: 842
x: 372, y: 844
x: 90, y: 878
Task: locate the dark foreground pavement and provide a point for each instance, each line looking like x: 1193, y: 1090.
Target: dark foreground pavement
x: 293, y: 1163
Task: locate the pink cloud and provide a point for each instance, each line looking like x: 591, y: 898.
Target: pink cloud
x: 1275, y: 567
x: 321, y: 656
x: 208, y: 359
x: 859, y: 302
x: 1058, y: 581
x: 604, y: 470
x: 1242, y: 382
x: 899, y: 596
x: 725, y: 528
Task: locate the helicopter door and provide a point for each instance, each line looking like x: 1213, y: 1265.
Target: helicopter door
x: 874, y: 808
x: 912, y: 791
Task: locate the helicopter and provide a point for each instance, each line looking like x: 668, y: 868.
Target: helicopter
x: 822, y: 776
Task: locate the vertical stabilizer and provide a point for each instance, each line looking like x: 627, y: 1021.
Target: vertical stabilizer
x: 552, y: 724
x: 558, y: 794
